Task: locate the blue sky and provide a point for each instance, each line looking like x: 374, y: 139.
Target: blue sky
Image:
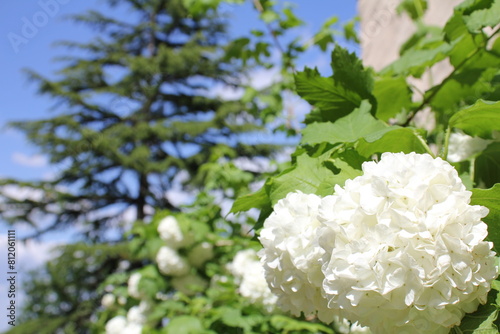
x: 28, y: 30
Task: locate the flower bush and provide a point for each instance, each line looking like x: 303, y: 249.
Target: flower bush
x: 378, y: 223
x: 398, y: 249
x: 249, y: 274
x: 170, y: 263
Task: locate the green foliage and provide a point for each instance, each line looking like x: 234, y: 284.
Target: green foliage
x: 393, y: 97
x: 484, y: 320
x: 63, y: 293
x: 480, y: 119
x: 414, y: 8
x: 218, y: 307
x: 123, y: 141
x: 358, y: 114
x: 490, y: 198
x: 358, y: 124
x: 333, y: 101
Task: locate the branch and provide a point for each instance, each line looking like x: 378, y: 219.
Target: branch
x: 449, y: 77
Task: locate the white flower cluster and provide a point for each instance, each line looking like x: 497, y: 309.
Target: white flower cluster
x: 131, y: 324
x: 291, y: 256
x: 171, y: 263
x: 344, y: 326
x: 249, y: 273
x: 169, y: 230
x: 462, y: 146
x: 133, y: 285
x: 108, y: 300
x: 398, y: 249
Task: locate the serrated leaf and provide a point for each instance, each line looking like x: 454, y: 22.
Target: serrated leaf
x: 463, y: 88
x: 184, y: 324
x: 396, y: 140
x: 479, y: 119
x: 414, y: 8
x: 487, y: 166
x: 358, y: 124
x: 393, y: 96
x: 468, y: 47
x: 484, y: 17
x: 349, y: 72
x: 256, y: 200
x: 490, y: 198
x: 311, y: 176
x: 416, y: 61
x: 332, y: 100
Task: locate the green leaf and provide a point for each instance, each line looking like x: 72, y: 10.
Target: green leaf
x: 358, y: 124
x: 184, y: 324
x: 325, y: 36
x: 232, y: 317
x: 291, y: 20
x: 487, y: 166
x: 490, y: 198
x: 467, y: 47
x: 269, y: 16
x: 414, y: 8
x: 350, y: 32
x: 463, y: 88
x: 256, y: 200
x: 416, y: 61
x: 311, y: 176
x: 349, y: 72
x: 484, y: 17
x: 332, y: 100
x: 481, y: 321
x: 479, y: 119
x: 396, y: 140
x: 393, y: 96
x: 290, y: 325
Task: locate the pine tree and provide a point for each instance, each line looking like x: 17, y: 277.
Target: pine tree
x: 135, y: 114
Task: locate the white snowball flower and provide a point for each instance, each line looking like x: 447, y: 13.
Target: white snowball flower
x: 254, y: 287
x: 116, y: 325
x: 250, y: 275
x: 132, y: 328
x: 108, y: 300
x: 169, y: 230
x: 291, y: 256
x: 461, y: 146
x: 404, y: 250
x: 170, y: 262
x: 137, y: 314
x: 133, y: 285
x: 200, y: 254
x: 344, y: 326
x: 241, y: 261
x: 189, y: 284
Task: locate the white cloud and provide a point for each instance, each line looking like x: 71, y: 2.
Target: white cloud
x: 177, y: 196
x: 29, y: 256
x: 36, y: 160
x: 228, y: 93
x: 262, y: 78
x: 22, y: 193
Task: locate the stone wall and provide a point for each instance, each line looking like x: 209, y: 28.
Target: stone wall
x: 383, y: 30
